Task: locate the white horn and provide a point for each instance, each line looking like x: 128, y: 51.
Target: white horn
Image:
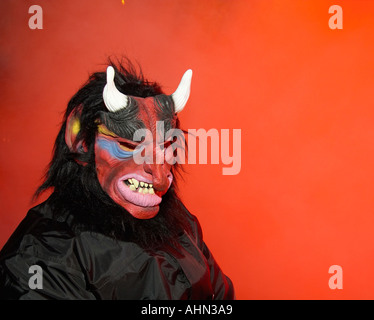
x: 181, y: 95
x: 113, y: 99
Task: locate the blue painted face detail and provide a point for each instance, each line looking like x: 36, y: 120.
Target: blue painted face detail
x: 114, y: 149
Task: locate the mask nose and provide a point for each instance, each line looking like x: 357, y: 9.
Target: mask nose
x: 160, y: 176
x: 160, y: 172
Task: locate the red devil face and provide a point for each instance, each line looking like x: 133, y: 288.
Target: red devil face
x: 137, y: 187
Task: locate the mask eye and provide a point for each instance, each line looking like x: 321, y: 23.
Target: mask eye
x: 167, y: 144
x: 126, y: 146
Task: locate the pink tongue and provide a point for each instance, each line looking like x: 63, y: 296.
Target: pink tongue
x: 137, y: 198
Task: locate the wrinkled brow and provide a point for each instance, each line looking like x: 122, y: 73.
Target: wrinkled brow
x: 125, y: 122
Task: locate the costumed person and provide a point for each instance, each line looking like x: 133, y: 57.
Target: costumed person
x: 113, y: 227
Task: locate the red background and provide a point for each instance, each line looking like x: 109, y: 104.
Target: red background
x: 301, y: 93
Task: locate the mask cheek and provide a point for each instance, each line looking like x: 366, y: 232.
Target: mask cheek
x: 103, y: 158
x: 105, y: 179
x: 109, y: 170
x: 105, y: 168
x: 109, y: 179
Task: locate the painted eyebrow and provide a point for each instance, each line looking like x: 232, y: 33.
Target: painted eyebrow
x: 105, y: 131
x: 132, y: 144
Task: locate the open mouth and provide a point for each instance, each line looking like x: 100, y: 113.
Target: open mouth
x: 139, y: 191
x: 139, y: 186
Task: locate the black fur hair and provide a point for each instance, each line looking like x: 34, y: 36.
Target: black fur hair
x: 76, y: 187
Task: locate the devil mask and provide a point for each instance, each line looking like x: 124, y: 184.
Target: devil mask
x: 126, y: 130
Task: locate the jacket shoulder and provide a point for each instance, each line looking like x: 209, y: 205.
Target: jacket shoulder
x: 37, y: 230
x: 48, y: 243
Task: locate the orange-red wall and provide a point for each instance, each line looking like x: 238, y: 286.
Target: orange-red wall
x: 301, y: 93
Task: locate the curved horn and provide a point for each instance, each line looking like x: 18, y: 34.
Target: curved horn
x: 113, y: 98
x: 181, y: 95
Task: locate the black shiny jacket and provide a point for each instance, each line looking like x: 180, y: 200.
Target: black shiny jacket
x: 88, y: 265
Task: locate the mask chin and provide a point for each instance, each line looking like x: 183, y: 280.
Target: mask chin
x: 142, y: 213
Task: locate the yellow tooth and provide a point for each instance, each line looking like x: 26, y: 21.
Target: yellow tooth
x: 135, y: 182
x: 151, y: 191
x: 130, y: 180
x: 145, y: 190
x: 132, y: 187
x: 141, y: 183
x: 150, y: 185
x: 140, y: 190
x: 145, y: 184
